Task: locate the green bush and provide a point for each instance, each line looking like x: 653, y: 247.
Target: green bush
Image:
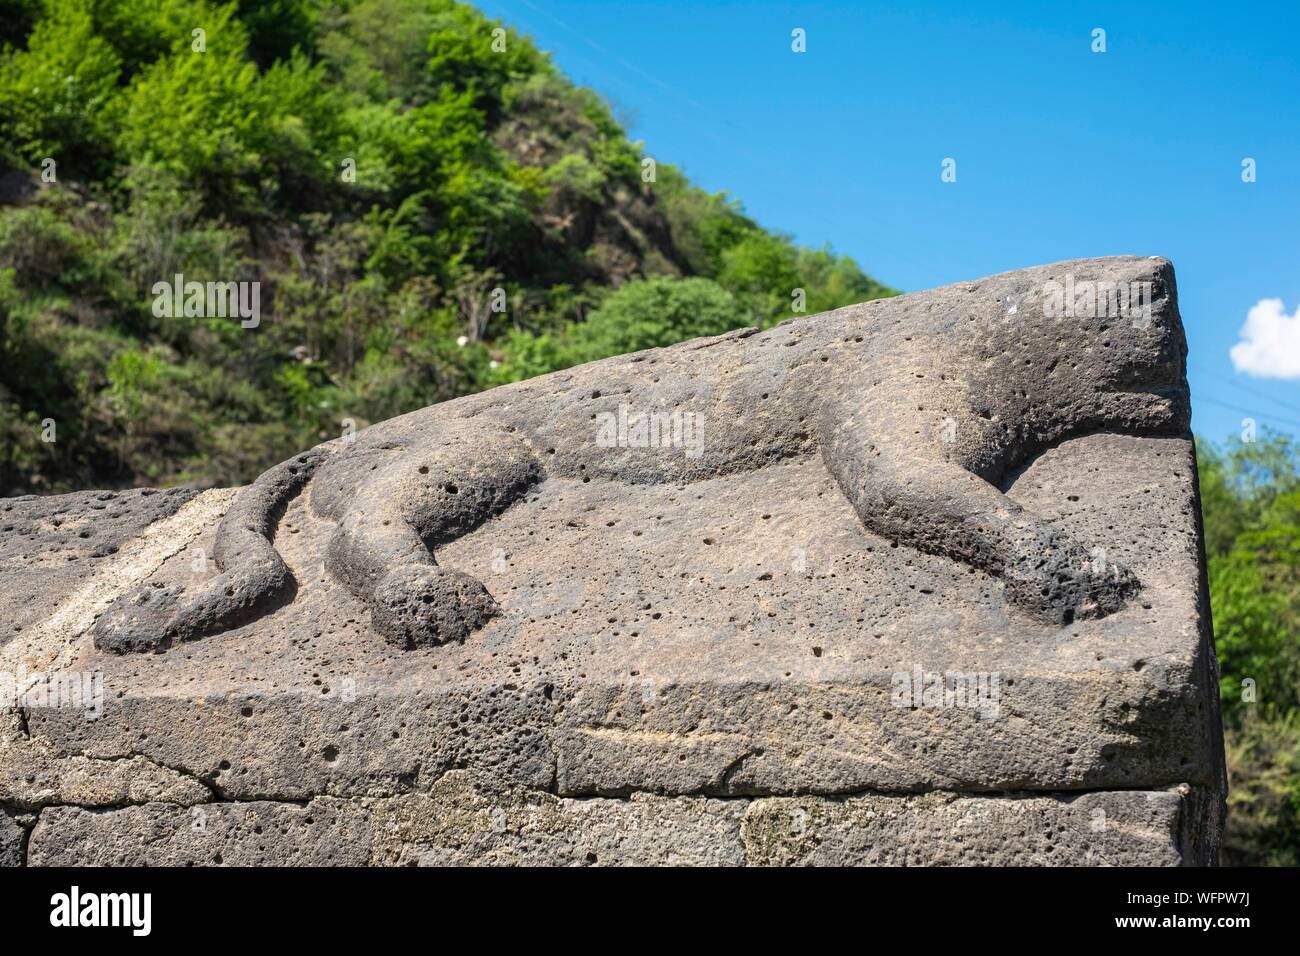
x: 655, y: 312
x: 1263, y: 792
x: 644, y: 314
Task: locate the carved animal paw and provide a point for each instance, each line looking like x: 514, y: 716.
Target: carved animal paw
x: 421, y: 606
x: 1094, y: 591
x: 1060, y: 582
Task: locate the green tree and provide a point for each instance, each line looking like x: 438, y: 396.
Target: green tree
x: 1250, y: 499
x: 59, y: 97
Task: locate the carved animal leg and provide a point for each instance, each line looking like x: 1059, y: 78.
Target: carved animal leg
x: 907, y: 494
x: 153, y: 617
x: 382, y: 548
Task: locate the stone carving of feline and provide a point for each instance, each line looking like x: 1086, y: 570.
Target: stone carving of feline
x: 920, y: 407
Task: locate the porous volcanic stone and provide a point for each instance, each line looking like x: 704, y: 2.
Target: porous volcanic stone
x: 48, y: 545
x: 950, y: 483
x: 323, y: 832
x: 11, y: 840
x: 456, y: 823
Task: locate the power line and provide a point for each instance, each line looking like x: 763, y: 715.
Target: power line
x: 1290, y: 423
x: 847, y: 231
x: 1258, y: 393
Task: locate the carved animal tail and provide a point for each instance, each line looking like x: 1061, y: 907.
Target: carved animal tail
x: 155, y: 616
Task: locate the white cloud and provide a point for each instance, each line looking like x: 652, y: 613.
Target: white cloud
x: 1270, y: 342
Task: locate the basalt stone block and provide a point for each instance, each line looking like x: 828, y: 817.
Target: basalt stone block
x: 1128, y: 827
x: 324, y: 832
x: 947, y: 543
x: 11, y: 840
x: 32, y: 776
x: 457, y: 823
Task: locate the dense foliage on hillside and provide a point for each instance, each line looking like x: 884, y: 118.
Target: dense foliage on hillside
x: 430, y: 208
x: 1251, y: 502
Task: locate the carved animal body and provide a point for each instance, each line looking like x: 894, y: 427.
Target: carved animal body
x: 920, y: 406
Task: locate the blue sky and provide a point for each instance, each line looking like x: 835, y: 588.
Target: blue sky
x: 1061, y: 152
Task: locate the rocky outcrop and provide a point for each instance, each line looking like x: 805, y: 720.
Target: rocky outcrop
x: 918, y: 581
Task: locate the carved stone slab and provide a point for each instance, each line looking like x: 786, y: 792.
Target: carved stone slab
x: 944, y: 544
